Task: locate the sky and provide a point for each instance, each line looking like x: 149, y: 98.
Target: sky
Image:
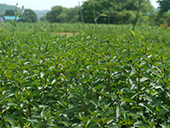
x: 47, y: 4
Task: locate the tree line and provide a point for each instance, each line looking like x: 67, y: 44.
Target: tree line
x: 27, y: 16
x: 116, y: 12
x: 106, y: 11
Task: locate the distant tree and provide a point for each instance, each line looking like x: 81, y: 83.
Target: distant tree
x: 43, y: 18
x: 121, y: 11
x: 69, y: 15
x: 62, y: 14
x: 164, y: 6
x: 52, y: 16
x: 29, y: 16
x: 73, y: 13
x: 9, y: 13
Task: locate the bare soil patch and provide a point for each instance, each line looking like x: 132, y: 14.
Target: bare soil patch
x: 67, y: 33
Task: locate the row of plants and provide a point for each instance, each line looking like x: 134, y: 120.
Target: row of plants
x: 84, y: 81
x: 102, y: 29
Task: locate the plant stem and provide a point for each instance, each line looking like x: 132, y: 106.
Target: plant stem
x: 51, y: 27
x: 164, y: 71
x: 82, y: 17
x: 20, y: 118
x: 29, y: 107
x: 109, y: 22
x: 1, y: 105
x: 136, y: 19
x: 109, y: 79
x: 65, y: 82
x: 2, y: 116
x: 94, y: 12
x: 139, y: 77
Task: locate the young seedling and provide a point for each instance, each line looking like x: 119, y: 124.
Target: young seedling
x: 17, y: 14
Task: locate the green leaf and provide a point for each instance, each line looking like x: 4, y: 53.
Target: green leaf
x: 149, y: 107
x: 143, y: 79
x: 97, y: 120
x: 162, y: 112
x: 113, y: 126
x: 10, y: 120
x: 164, y: 108
x: 22, y: 99
x: 132, y: 32
x: 128, y: 100
x: 95, y: 103
x: 43, y: 106
x: 74, y: 109
x: 112, y: 96
x: 160, y: 65
x: 147, y: 98
x: 152, y: 125
x: 91, y: 124
x: 117, y: 111
x: 33, y: 121
x: 64, y: 123
x: 140, y: 124
x: 158, y: 105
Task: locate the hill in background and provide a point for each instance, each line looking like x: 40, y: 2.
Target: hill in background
x: 4, y: 7
x: 41, y: 13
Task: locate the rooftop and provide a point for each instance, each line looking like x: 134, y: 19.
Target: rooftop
x: 10, y: 18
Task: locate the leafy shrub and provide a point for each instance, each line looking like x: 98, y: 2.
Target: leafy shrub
x: 84, y: 81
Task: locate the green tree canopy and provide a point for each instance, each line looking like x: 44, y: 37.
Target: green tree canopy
x: 29, y: 16
x: 62, y: 14
x: 52, y: 16
x: 164, y: 6
x: 43, y: 18
x: 121, y: 10
x: 69, y: 15
x: 9, y: 13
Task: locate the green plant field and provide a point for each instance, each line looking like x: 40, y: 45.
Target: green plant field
x: 85, y: 80
x: 64, y: 27
x: 101, y: 29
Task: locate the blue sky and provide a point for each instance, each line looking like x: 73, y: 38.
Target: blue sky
x: 47, y: 4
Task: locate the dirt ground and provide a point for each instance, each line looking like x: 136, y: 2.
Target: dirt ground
x: 67, y: 33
